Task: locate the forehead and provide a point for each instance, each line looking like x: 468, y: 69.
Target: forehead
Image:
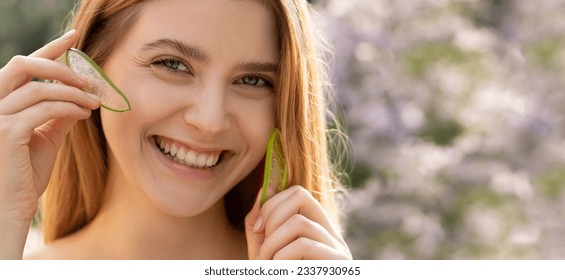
x: 217, y: 25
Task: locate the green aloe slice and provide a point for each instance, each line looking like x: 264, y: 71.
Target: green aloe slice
x: 111, y: 97
x: 276, y: 172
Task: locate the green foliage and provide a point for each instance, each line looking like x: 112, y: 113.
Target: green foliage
x: 391, y: 239
x: 426, y: 56
x: 454, y: 214
x: 359, y: 174
x: 553, y: 182
x: 546, y: 52
x: 441, y: 132
x: 456, y: 111
x: 26, y: 25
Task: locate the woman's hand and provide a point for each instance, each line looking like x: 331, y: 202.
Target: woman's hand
x: 34, y: 119
x: 293, y: 225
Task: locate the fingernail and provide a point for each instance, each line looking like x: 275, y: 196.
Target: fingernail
x: 258, y: 224
x: 85, y: 82
x: 93, y: 97
x: 69, y: 34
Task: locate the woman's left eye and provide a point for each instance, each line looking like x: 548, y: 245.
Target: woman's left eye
x: 254, y: 81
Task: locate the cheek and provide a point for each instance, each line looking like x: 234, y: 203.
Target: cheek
x: 148, y: 102
x: 255, y: 121
x: 146, y: 97
x: 122, y: 130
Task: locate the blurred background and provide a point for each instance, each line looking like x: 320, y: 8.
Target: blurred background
x: 453, y: 109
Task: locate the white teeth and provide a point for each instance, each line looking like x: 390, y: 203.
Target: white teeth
x: 211, y: 160
x: 180, y: 153
x: 201, y: 160
x: 189, y: 157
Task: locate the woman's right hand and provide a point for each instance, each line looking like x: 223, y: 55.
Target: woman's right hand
x: 34, y: 119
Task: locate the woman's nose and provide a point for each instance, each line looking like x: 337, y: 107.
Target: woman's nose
x: 208, y: 111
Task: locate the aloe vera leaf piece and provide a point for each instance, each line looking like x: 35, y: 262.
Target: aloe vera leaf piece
x: 111, y: 97
x: 275, y: 171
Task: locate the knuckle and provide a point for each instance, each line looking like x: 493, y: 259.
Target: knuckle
x: 16, y: 66
x: 305, y: 243
x: 302, y: 192
x: 298, y: 220
x: 9, y: 127
x: 17, y: 60
x: 302, y: 240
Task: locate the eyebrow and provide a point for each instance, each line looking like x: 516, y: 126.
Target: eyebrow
x: 258, y: 67
x: 200, y: 55
x: 182, y: 47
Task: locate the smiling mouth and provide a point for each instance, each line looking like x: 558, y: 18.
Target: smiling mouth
x: 182, y: 154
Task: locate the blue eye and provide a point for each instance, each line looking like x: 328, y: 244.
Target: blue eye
x: 250, y: 80
x: 170, y: 64
x: 254, y: 81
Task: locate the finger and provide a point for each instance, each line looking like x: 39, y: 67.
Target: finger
x: 254, y: 237
x: 57, y: 47
x: 307, y: 249
x: 39, y: 114
x: 295, y: 200
x: 20, y: 70
x: 35, y: 92
x: 294, y: 228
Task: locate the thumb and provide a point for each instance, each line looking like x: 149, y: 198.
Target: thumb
x: 56, y: 130
x: 254, y: 237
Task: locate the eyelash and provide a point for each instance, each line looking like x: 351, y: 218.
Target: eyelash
x: 165, y: 62
x: 267, y: 81
x: 162, y: 63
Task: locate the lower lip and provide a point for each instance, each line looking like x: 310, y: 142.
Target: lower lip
x: 201, y: 174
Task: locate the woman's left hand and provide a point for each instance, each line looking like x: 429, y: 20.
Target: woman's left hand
x: 293, y: 225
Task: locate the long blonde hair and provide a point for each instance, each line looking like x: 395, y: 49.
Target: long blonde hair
x: 76, y: 189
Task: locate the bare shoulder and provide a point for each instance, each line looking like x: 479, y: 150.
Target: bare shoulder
x: 56, y: 251
x: 62, y: 249
x: 44, y: 253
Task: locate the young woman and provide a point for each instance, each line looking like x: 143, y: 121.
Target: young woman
x: 178, y: 176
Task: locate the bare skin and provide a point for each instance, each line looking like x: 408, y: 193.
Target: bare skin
x: 43, y: 113
x: 155, y: 207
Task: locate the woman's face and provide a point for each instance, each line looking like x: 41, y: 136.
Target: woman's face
x: 199, y: 75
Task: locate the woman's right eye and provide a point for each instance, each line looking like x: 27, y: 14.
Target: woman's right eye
x: 171, y: 64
